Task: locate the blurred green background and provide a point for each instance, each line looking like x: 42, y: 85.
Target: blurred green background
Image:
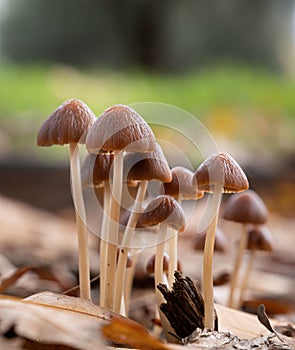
x: 230, y: 63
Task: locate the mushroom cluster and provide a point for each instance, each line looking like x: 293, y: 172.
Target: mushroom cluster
x: 122, y: 152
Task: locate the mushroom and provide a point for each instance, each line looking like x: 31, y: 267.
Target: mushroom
x: 163, y: 211
x: 118, y: 129
x: 218, y: 173
x: 181, y: 188
x: 95, y: 171
x: 259, y: 239
x: 220, y: 242
x: 142, y: 168
x: 245, y: 208
x: 68, y: 124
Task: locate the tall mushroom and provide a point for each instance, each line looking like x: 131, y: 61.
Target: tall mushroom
x: 259, y: 239
x: 181, y: 188
x: 118, y: 129
x: 218, y: 173
x: 245, y: 208
x: 95, y: 171
x: 142, y: 168
x: 68, y: 124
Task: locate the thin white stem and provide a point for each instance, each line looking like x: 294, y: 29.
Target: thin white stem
x: 130, y: 272
x: 103, y: 242
x: 244, y: 284
x: 84, y: 274
x: 172, y: 264
x: 159, y: 272
x: 113, y: 234
x: 173, y: 254
x: 237, y: 265
x: 127, y: 239
x: 208, y: 274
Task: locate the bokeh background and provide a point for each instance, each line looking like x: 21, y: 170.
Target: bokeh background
x: 229, y: 63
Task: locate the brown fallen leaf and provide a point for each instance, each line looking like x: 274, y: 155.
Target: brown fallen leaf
x: 74, y: 304
x: 50, y: 325
x: 122, y: 331
x: 18, y: 273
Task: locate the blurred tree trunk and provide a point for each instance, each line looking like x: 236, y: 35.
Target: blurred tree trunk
x: 167, y: 35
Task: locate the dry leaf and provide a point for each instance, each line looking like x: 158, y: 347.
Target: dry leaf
x: 18, y: 273
x: 52, y: 325
x: 122, y: 331
x: 68, y: 303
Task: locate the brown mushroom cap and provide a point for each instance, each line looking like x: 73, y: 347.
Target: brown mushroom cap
x: 220, y: 169
x: 246, y: 207
x: 120, y: 128
x: 259, y: 238
x: 220, y: 243
x: 67, y: 124
x: 150, y: 266
x: 161, y: 209
x: 148, y: 166
x: 182, y: 184
x: 96, y: 169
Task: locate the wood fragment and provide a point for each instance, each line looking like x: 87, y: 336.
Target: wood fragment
x: 184, y: 307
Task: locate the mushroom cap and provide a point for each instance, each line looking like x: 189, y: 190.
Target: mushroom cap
x: 150, y: 266
x: 147, y: 166
x: 163, y: 209
x: 220, y: 244
x: 259, y: 238
x: 124, y: 218
x: 96, y: 169
x: 120, y: 128
x: 182, y: 184
x: 246, y: 207
x: 220, y: 169
x: 67, y: 124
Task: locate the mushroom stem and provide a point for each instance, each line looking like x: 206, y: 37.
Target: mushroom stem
x: 130, y: 271
x: 173, y: 246
x: 113, y: 233
x: 127, y: 238
x: 84, y: 275
x: 103, y: 242
x: 208, y: 274
x: 159, y: 272
x: 237, y: 265
x: 249, y: 269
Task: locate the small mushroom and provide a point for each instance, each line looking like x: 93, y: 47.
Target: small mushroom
x: 68, y: 124
x: 220, y: 243
x: 117, y: 130
x: 142, y: 168
x: 245, y: 208
x: 259, y: 240
x: 218, y: 173
x: 181, y: 188
x: 150, y: 266
x: 165, y: 212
